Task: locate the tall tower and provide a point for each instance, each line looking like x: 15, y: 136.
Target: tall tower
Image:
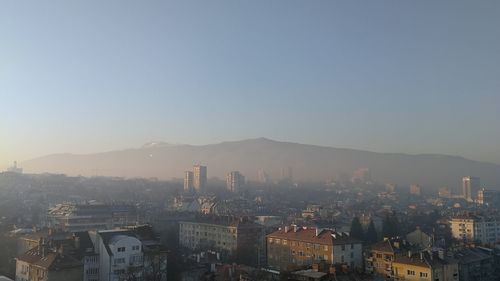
x: 200, y: 178
x: 188, y: 181
x: 470, y: 187
x: 263, y: 176
x: 234, y: 181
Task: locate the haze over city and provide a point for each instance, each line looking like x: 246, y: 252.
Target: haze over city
x: 236, y: 140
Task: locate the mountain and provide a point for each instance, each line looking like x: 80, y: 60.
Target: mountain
x: 309, y: 162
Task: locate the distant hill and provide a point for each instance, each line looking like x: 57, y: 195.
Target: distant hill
x: 309, y: 162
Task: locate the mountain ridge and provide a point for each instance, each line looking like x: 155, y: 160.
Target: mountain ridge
x: 309, y: 162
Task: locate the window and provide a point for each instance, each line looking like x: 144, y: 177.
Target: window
x: 423, y: 274
x: 135, y: 248
x: 410, y: 272
x: 119, y: 260
x: 121, y: 249
x: 352, y: 246
x: 343, y: 247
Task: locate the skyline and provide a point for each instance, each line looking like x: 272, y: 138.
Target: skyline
x: 419, y: 77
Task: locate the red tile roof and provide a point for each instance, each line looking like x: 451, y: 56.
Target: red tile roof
x: 325, y: 237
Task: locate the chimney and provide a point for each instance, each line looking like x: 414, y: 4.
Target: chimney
x: 421, y: 255
x: 317, y: 232
x: 61, y: 250
x: 77, y: 242
x: 441, y: 253
x: 43, y: 250
x: 295, y: 228
x: 409, y: 254
x: 286, y: 229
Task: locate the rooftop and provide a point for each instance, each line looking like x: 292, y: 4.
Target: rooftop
x: 314, y: 235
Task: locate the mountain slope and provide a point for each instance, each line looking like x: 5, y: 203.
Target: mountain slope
x: 309, y: 162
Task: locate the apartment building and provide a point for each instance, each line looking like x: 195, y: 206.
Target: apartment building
x: 130, y: 254
x: 425, y: 266
x: 235, y: 239
x: 42, y: 264
x: 294, y: 246
x: 476, y: 228
x: 84, y: 217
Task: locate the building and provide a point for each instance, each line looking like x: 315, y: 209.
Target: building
x: 293, y: 247
x: 361, y: 175
x: 488, y: 197
x: 200, y: 178
x: 444, y: 192
x: 78, y: 245
x: 470, y: 187
x: 234, y: 239
x: 188, y: 181
x: 83, y: 217
x: 130, y: 254
x: 263, y: 177
x: 475, y: 228
x: 381, y: 255
x: 43, y: 264
x: 475, y: 264
x: 50, y: 236
x: 425, y: 266
x: 419, y: 239
x: 234, y: 181
x: 416, y: 190
x: 15, y: 169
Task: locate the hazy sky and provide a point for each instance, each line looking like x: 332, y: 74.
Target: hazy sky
x: 389, y: 76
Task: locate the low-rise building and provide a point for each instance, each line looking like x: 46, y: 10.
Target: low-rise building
x: 84, y: 217
x: 130, y: 254
x: 424, y: 266
x: 380, y: 257
x: 475, y: 264
x: 235, y: 239
x: 419, y: 239
x: 42, y: 264
x: 295, y: 246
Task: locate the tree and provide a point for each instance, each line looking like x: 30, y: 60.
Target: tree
x: 371, y: 233
x: 390, y: 226
x: 356, y: 229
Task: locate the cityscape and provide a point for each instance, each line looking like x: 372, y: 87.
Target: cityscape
x: 60, y: 227
x: 232, y: 140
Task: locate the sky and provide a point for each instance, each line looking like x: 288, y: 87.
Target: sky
x: 387, y: 76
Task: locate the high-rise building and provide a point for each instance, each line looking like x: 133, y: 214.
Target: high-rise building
x: 263, y: 176
x: 188, y: 181
x: 15, y: 169
x: 200, y: 178
x: 415, y: 190
x: 470, y: 187
x: 488, y: 197
x: 234, y: 181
